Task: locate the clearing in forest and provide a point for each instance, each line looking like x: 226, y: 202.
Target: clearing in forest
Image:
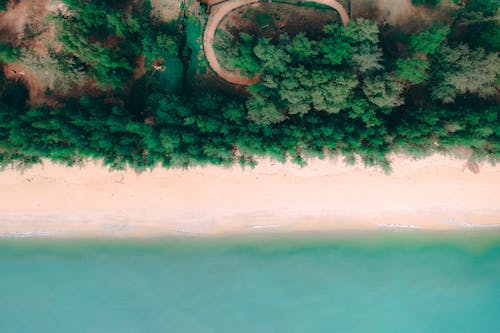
x: 166, y: 10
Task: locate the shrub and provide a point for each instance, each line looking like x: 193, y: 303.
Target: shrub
x: 425, y: 2
x: 8, y: 53
x: 3, y: 5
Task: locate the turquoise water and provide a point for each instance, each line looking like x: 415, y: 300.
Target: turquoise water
x: 394, y: 282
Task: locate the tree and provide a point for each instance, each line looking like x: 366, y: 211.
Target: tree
x: 274, y: 59
x: 425, y: 2
x: 334, y: 50
x: 245, y: 60
x: 479, y: 23
x: 367, y: 58
x: 300, y: 74
x: 264, y: 113
x: 428, y: 41
x: 383, y: 91
x: 3, y: 5
x: 361, y: 31
x: 412, y: 70
x: 8, y: 53
x: 94, y: 35
x: 463, y: 70
x: 302, y: 48
x: 334, y: 93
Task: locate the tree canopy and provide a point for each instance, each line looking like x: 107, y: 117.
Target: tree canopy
x: 351, y: 91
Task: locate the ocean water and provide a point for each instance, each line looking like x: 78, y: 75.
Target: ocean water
x: 383, y: 282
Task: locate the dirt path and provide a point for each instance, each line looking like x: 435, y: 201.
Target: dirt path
x: 217, y: 13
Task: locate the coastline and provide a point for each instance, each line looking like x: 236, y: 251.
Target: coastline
x: 435, y: 193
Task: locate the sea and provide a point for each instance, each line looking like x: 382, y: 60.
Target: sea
x: 377, y: 282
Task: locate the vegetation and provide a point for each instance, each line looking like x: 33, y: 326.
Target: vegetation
x: 461, y: 70
x: 8, y: 53
x: 425, y: 2
x: 104, y: 39
x: 339, y: 71
x: 349, y: 91
x: 3, y: 5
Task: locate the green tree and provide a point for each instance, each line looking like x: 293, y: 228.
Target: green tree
x: 412, y: 70
x: 300, y: 75
x: 383, y: 91
x: 367, y: 58
x: 273, y: 59
x: 428, y: 41
x: 262, y: 112
x: 361, y: 31
x: 425, y: 2
x: 8, y: 53
x: 302, y: 48
x: 95, y: 34
x: 463, y: 70
x: 3, y: 5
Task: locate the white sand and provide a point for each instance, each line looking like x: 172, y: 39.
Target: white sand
x: 433, y: 193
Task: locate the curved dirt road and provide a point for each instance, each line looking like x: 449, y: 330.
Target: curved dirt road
x: 217, y: 13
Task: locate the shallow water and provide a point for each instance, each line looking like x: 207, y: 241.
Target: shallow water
x: 385, y: 282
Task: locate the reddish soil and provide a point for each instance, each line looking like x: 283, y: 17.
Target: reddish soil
x: 401, y: 13
x: 278, y: 18
x: 12, y: 22
x: 139, y: 70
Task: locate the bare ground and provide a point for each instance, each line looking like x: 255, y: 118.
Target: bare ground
x: 12, y: 22
x: 166, y: 10
x: 279, y: 18
x: 401, y: 13
x: 25, y: 24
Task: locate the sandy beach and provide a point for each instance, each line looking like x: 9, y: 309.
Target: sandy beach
x: 432, y: 193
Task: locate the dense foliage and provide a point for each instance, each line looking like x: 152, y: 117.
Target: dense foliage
x: 3, y: 5
x: 8, y: 53
x: 351, y: 91
x: 426, y: 2
x: 104, y: 38
x: 340, y: 70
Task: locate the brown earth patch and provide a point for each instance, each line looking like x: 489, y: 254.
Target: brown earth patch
x: 269, y: 20
x: 26, y: 24
x: 36, y: 22
x: 402, y: 13
x: 166, y: 10
x: 112, y: 41
x: 12, y: 21
x: 139, y: 70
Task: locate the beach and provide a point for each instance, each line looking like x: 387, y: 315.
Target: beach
x: 435, y: 193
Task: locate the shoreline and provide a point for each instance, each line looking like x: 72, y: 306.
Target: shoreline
x: 435, y: 193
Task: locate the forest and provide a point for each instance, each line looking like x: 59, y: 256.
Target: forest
x: 132, y: 90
